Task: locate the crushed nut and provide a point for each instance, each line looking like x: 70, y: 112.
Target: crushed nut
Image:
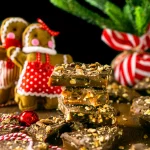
x: 121, y: 147
x: 73, y: 81
x: 145, y: 136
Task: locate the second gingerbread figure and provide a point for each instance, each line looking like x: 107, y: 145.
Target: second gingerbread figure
x: 36, y: 61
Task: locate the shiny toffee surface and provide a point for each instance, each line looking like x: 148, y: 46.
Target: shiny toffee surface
x: 101, y: 115
x: 80, y: 74
x: 101, y: 138
x: 85, y: 96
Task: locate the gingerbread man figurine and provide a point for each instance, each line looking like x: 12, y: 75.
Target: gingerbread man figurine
x: 36, y: 61
x: 11, y: 35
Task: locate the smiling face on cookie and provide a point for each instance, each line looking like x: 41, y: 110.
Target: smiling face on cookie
x: 36, y: 36
x: 37, y: 39
x: 13, y: 28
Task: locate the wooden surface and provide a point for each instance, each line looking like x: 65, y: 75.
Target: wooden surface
x: 133, y: 132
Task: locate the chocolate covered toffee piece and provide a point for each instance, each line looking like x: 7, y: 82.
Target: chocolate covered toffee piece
x: 139, y: 146
x: 143, y: 86
x: 48, y: 130
x: 102, y: 138
x: 120, y: 93
x: 141, y: 105
x: 145, y: 122
x: 100, y: 115
x: 84, y: 96
x: 81, y: 75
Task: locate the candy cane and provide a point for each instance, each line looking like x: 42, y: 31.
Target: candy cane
x: 55, y: 147
x: 8, y: 104
x: 12, y: 126
x: 18, y: 136
x: 9, y: 117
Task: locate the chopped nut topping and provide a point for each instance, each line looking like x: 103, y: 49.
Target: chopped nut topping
x: 145, y: 136
x: 147, y: 101
x: 91, y: 130
x: 121, y: 147
x: 87, y: 108
x: 79, y: 71
x: 48, y: 129
x: 125, y: 95
x: 73, y: 81
x: 147, y: 112
x: 125, y: 119
x: 80, y: 114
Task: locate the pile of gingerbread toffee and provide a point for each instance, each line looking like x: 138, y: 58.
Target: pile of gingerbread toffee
x: 85, y: 100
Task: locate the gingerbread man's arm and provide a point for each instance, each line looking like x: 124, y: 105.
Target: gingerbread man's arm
x: 60, y: 59
x: 3, y: 55
x: 17, y: 56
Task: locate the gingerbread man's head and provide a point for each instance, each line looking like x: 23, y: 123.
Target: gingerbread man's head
x: 37, y: 37
x: 11, y: 31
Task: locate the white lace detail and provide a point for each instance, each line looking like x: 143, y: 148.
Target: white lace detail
x: 26, y: 38
x: 65, y: 59
x: 22, y: 92
x: 14, y: 54
x: 53, y: 43
x: 22, y: 74
x: 30, y: 49
x: 17, y: 19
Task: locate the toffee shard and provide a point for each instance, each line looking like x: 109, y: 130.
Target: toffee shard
x: 102, y: 115
x: 81, y: 75
x: 85, y: 96
x: 49, y: 129
x: 101, y: 138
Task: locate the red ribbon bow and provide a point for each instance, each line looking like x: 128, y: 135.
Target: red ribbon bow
x: 45, y: 27
x: 133, y: 64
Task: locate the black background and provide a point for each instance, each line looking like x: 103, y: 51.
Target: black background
x: 77, y: 37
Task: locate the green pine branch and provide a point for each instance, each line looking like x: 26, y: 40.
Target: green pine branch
x: 128, y: 12
x: 100, y: 4
x: 116, y: 15
x: 138, y: 13
x: 133, y: 18
x: 140, y: 19
x: 146, y: 11
x: 74, y: 8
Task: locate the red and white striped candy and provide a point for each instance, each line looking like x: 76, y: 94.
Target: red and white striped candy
x: 125, y: 41
x: 55, y: 147
x: 17, y: 136
x: 25, y: 137
x: 11, y: 126
x: 9, y: 116
x: 133, y: 68
x: 129, y: 67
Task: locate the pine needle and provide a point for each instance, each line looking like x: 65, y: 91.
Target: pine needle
x: 133, y: 18
x: 100, y: 4
x: 116, y: 15
x: 74, y: 8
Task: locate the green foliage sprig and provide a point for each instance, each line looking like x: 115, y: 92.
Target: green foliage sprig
x: 133, y: 18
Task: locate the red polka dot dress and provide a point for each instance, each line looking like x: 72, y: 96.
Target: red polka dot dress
x: 34, y: 79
